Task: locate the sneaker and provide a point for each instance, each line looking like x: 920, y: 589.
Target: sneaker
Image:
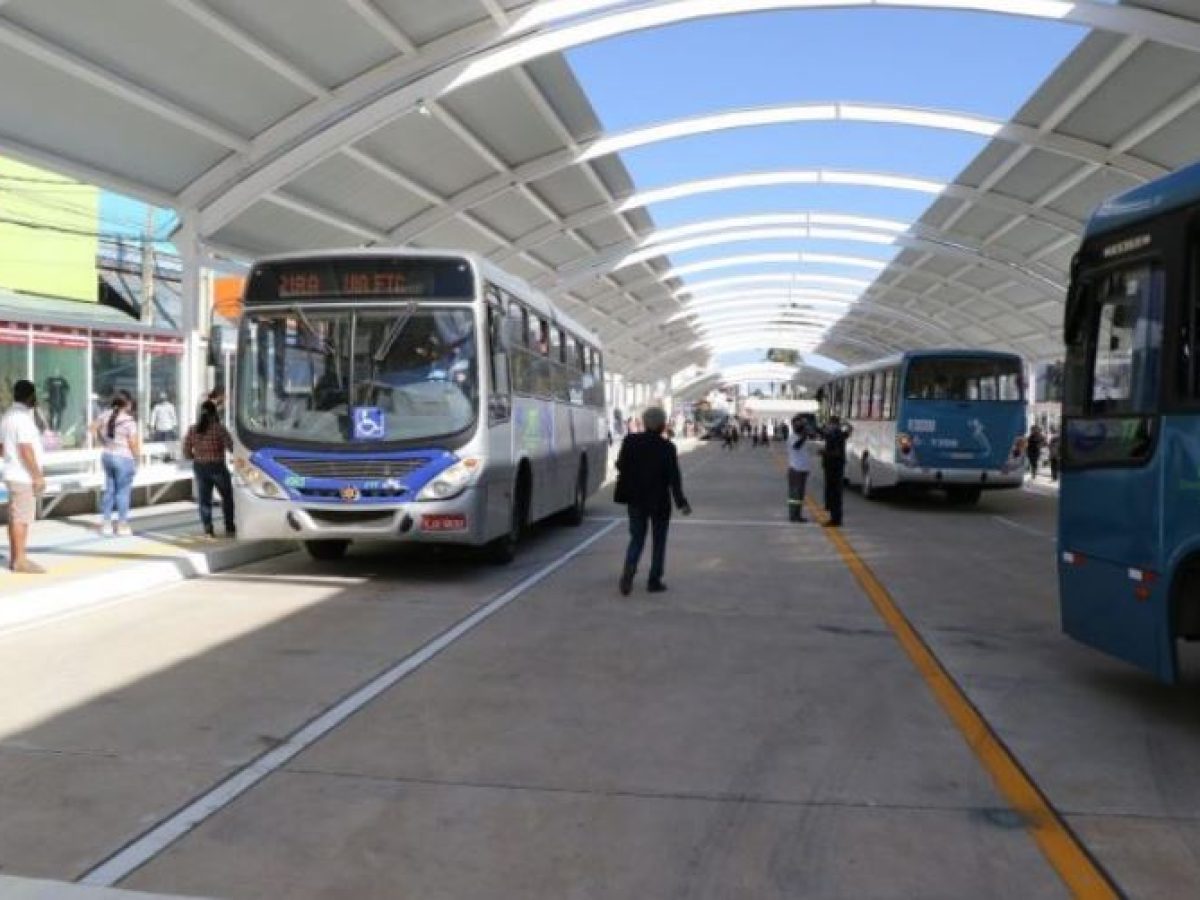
x: 626, y: 584
x: 231, y: 533
x: 123, y: 530
x: 104, y: 529
x: 655, y: 587
x: 209, y: 535
x: 27, y: 567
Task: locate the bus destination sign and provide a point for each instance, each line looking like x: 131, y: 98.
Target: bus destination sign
x: 361, y: 279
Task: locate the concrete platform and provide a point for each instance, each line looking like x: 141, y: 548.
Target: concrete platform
x: 415, y: 724
x: 86, y: 569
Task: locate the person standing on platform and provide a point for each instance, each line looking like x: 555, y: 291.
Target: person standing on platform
x: 764, y: 439
x: 648, y: 480
x: 1052, y: 451
x: 1033, y: 449
x: 728, y: 436
x: 206, y: 444
x: 164, y: 420
x: 23, y: 474
x: 798, y: 469
x: 833, y: 468
x: 117, y: 433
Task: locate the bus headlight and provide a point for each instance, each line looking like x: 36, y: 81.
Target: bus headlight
x: 453, y: 481
x: 255, y: 480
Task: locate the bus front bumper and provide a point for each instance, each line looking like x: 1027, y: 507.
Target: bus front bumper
x: 459, y: 520
x: 988, y: 479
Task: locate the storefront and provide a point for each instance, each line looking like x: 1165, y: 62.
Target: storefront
x: 78, y: 366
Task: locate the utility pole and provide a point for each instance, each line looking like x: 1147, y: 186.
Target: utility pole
x: 147, y: 310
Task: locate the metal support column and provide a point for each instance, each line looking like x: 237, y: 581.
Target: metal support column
x: 194, y: 318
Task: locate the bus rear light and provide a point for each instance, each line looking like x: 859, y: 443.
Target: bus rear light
x: 904, y: 443
x: 1141, y: 576
x: 1018, y: 448
x: 1071, y: 558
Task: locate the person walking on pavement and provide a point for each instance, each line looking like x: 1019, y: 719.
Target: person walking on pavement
x: 798, y: 469
x: 117, y: 433
x: 1052, y: 451
x: 833, y: 468
x: 1033, y: 449
x: 648, y: 479
x: 23, y: 474
x: 206, y: 444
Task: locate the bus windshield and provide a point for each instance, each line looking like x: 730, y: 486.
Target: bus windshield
x: 312, y: 375
x: 964, y: 379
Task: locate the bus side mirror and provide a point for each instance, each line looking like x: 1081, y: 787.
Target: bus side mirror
x: 215, y: 346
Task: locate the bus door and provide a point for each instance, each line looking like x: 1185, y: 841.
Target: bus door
x: 1110, y: 510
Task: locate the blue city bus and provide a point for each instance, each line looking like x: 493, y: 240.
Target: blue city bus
x: 1129, y: 514
x: 949, y: 419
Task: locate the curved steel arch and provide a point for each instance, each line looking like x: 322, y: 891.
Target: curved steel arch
x: 1016, y: 269
x: 918, y: 117
x: 883, y: 180
x: 367, y: 102
x: 693, y: 235
x: 697, y: 290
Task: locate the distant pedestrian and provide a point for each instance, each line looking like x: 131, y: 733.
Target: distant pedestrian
x: 764, y: 439
x: 117, y: 433
x: 23, y: 474
x: 648, y: 480
x: 1052, y: 450
x: 164, y: 420
x: 798, y: 469
x: 1033, y: 449
x: 206, y: 444
x: 728, y: 436
x: 833, y: 468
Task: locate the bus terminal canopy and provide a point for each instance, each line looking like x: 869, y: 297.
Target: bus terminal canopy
x: 299, y: 124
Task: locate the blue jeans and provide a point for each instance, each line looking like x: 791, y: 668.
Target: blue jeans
x: 659, y: 522
x: 118, y: 486
x: 211, y: 475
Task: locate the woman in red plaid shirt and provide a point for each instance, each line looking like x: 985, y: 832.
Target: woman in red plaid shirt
x: 206, y: 444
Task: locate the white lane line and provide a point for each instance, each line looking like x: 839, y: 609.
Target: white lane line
x: 1017, y: 526
x: 145, y: 848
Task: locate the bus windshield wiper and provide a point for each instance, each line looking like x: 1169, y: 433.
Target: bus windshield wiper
x: 393, y: 334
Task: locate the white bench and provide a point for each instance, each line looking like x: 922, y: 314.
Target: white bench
x: 78, y: 471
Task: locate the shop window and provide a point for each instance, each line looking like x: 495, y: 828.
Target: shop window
x: 161, y: 417
x: 14, y: 360
x: 60, y: 373
x: 114, y: 368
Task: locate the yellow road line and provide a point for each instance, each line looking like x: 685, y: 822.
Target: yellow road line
x: 1081, y: 873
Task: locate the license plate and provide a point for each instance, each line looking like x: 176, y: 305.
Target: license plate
x: 444, y: 522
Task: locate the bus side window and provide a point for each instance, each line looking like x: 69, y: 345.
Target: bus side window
x: 886, y: 401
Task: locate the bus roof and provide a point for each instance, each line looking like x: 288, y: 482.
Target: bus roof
x: 488, y: 269
x: 1171, y: 192
x: 896, y: 359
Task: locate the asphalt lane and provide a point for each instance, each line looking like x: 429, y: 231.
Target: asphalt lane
x: 756, y: 731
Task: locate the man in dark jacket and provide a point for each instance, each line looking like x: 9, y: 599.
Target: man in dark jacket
x: 833, y: 466
x: 648, y: 480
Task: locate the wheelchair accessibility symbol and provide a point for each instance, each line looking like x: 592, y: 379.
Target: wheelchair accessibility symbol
x: 368, y: 423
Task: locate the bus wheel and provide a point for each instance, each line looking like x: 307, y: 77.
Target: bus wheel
x: 573, y: 514
x: 326, y: 550
x: 503, y: 550
x: 964, y: 496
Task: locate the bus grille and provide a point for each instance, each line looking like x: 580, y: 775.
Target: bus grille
x: 349, y: 516
x: 364, y: 469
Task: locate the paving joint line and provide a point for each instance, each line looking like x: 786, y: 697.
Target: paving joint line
x: 151, y: 843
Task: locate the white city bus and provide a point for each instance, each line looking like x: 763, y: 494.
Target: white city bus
x: 410, y: 396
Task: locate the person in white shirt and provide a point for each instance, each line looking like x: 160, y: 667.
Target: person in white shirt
x: 23, y: 473
x: 164, y: 421
x: 798, y: 468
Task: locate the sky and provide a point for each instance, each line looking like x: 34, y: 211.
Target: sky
x: 972, y: 63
